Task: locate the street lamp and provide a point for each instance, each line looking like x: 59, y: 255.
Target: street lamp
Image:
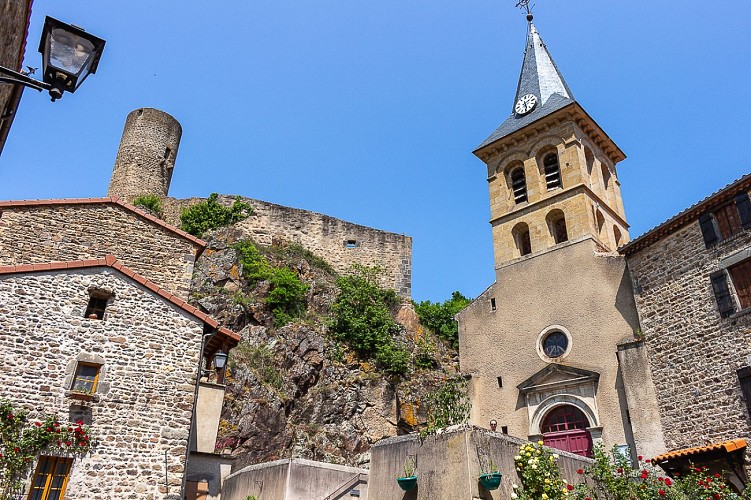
x: 69, y: 55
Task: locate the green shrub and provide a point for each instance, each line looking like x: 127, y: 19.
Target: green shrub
x: 439, y: 317
x: 447, y: 405
x: 424, y: 353
x: 362, y: 316
x: 286, y: 297
x: 295, y: 251
x: 209, y: 214
x: 150, y: 202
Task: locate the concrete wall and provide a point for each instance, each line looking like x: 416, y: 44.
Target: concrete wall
x: 693, y: 352
x: 325, y: 236
x: 211, y: 468
x: 148, y: 350
x: 570, y: 288
x: 146, y: 155
x: 294, y: 479
x: 448, y: 465
x: 69, y: 231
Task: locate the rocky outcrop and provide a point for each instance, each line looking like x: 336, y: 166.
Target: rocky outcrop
x: 291, y: 391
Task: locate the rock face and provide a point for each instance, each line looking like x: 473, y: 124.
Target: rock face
x: 291, y: 391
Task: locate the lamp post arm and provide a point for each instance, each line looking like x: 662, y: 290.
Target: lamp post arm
x: 10, y: 76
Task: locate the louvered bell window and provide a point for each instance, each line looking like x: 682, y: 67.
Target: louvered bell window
x: 519, y: 185
x: 552, y: 171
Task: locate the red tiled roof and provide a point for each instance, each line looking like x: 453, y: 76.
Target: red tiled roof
x: 727, y: 447
x: 116, y: 200
x: 111, y: 261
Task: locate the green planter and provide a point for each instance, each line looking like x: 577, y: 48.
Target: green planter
x: 407, y: 483
x: 491, y: 481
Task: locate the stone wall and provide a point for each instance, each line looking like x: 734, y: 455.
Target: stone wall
x: 693, y: 352
x: 448, y: 465
x: 340, y: 243
x: 14, y: 15
x: 146, y: 155
x: 71, y: 231
x: 141, y: 412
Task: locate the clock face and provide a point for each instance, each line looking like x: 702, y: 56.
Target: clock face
x: 525, y: 104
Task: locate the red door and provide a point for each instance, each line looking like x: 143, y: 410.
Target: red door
x: 565, y: 428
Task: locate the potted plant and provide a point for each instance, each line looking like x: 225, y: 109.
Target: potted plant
x: 408, y: 481
x: 490, y: 477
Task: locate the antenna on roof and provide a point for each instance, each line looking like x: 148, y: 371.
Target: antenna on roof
x: 524, y: 4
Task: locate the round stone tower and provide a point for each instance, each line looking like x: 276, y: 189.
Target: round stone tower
x: 146, y: 155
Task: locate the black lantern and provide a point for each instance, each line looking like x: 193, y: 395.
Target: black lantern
x: 220, y: 359
x: 69, y: 55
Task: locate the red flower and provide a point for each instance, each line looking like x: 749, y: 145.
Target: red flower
x: 10, y: 416
x: 649, y: 461
x: 661, y: 492
x: 668, y: 482
x: 79, y: 422
x: 644, y: 474
x: 38, y: 424
x: 619, y: 470
x: 67, y: 443
x: 579, y: 471
x: 640, y: 457
x: 16, y: 449
x: 569, y: 487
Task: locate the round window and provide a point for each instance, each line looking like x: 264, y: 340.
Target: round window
x: 555, y: 345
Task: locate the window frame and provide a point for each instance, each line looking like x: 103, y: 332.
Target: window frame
x: 94, y: 383
x: 47, y: 488
x: 518, y: 185
x: 711, y: 228
x: 99, y: 301
x: 553, y: 178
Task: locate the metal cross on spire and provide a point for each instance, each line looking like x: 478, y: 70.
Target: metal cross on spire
x: 524, y: 4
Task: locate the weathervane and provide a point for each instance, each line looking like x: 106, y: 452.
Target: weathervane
x: 525, y: 5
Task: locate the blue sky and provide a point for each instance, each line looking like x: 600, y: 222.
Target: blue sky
x: 369, y: 111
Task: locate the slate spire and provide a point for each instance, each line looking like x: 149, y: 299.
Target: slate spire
x: 539, y: 77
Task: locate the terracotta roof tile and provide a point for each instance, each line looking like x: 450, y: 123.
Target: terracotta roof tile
x: 111, y: 261
x: 115, y: 200
x: 727, y: 446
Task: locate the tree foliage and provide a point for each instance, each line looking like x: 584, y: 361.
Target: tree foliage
x: 287, y: 293
x: 22, y: 439
x: 447, y: 405
x: 363, y: 317
x: 439, y: 317
x: 150, y: 202
x: 209, y: 214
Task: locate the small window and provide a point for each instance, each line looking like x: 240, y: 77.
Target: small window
x: 351, y: 244
x: 519, y: 185
x: 557, y: 224
x: 492, y: 304
x: 741, y: 276
x: 590, y: 159
x: 555, y: 345
x: 97, y: 304
x: 87, y: 376
x: 504, y: 429
x: 521, y: 238
x: 552, y: 171
x: 618, y: 236
x: 744, y: 377
x: 605, y: 176
x: 500, y: 381
x: 50, y: 478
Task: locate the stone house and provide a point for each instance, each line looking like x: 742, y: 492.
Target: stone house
x: 93, y: 340
x: 14, y: 24
x: 691, y: 278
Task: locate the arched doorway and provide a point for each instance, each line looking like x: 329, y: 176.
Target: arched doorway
x: 565, y: 428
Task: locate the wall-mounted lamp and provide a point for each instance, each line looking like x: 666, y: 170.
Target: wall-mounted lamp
x: 69, y: 55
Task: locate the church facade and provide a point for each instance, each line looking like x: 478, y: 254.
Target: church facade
x: 540, y: 343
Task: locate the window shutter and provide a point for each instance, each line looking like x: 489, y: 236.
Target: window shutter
x: 707, y: 229
x: 743, y: 204
x: 722, y: 294
x: 744, y: 377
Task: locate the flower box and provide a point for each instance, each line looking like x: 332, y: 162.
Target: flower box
x: 407, y: 483
x: 490, y: 481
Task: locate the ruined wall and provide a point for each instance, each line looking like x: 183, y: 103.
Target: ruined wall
x: 693, y: 352
x: 340, y: 243
x: 70, y: 231
x: 142, y: 408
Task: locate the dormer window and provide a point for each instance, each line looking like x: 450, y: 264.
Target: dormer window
x: 552, y: 171
x: 519, y: 185
x: 98, y: 301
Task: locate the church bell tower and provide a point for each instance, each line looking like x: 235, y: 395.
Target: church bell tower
x: 551, y: 168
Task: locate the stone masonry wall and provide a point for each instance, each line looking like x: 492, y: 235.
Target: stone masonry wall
x: 693, y: 352
x: 325, y: 236
x: 35, y: 234
x: 13, y: 16
x: 144, y: 399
